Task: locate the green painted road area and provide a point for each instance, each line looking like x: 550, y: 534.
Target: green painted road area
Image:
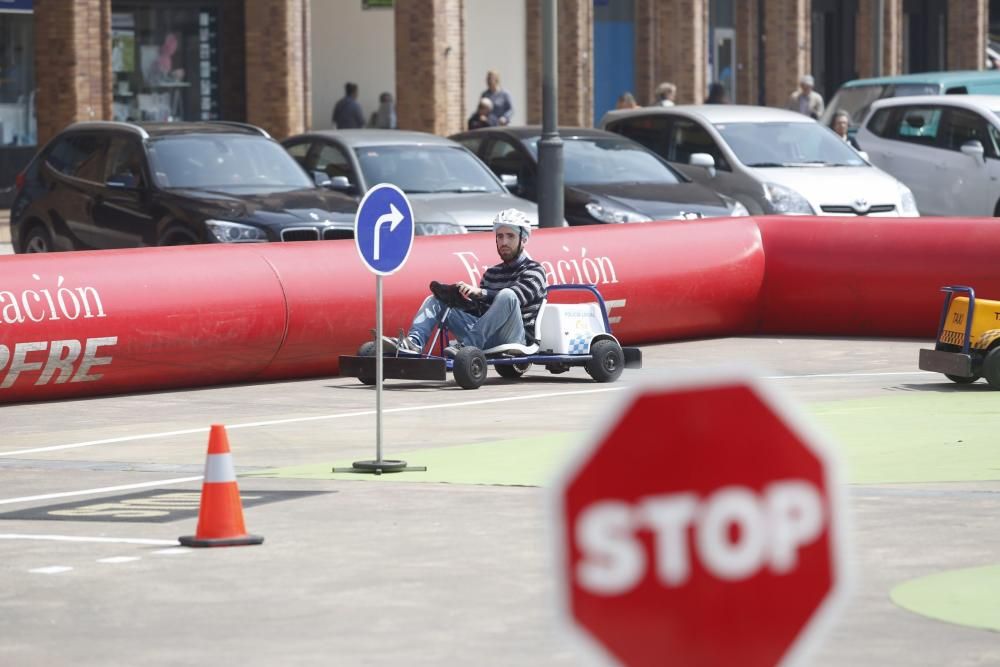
x: 905, y: 438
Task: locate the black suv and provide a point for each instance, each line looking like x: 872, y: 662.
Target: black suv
x: 121, y: 185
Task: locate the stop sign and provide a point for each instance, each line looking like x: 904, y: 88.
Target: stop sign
x: 700, y: 525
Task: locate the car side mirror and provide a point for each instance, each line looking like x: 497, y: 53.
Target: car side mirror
x: 974, y: 149
x: 123, y: 181
x: 509, y: 181
x: 321, y: 179
x: 340, y: 184
x: 864, y: 156
x: 703, y: 160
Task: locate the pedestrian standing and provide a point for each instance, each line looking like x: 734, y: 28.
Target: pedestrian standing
x: 805, y: 100
x: 840, y: 124
x: 385, y: 117
x: 503, y: 107
x: 347, y: 112
x: 665, y: 94
x: 482, y: 116
x: 717, y: 94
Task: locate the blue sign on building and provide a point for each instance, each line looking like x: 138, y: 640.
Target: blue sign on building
x: 383, y: 229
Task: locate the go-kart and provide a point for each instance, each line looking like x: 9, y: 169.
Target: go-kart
x: 565, y: 335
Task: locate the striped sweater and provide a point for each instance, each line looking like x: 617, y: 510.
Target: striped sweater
x: 526, y: 278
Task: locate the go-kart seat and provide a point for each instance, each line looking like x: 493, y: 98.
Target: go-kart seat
x: 517, y: 349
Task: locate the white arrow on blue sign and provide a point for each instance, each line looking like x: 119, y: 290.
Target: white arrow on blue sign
x: 383, y: 229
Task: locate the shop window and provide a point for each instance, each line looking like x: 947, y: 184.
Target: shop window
x: 17, y: 80
x: 165, y: 61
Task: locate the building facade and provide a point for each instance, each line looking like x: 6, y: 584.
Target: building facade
x: 282, y: 64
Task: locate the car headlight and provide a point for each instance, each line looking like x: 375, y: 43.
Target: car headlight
x: 787, y: 201
x: 234, y: 232
x: 908, y: 205
x: 438, y: 229
x: 606, y: 213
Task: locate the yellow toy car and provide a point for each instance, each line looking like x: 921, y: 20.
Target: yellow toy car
x: 968, y: 339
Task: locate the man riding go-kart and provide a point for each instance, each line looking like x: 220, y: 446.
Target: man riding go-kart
x: 505, y: 322
x: 501, y: 310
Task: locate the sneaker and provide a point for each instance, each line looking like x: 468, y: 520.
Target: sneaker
x: 452, y: 350
x: 404, y: 344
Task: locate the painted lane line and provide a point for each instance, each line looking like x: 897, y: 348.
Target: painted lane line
x: 52, y: 569
x: 118, y: 559
x: 848, y: 375
x: 413, y: 408
x: 174, y: 551
x: 83, y: 538
x: 295, y: 420
x: 103, y: 489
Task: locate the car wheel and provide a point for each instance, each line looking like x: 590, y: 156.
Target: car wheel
x: 37, y: 240
x: 512, y: 371
x: 991, y: 367
x: 961, y: 379
x: 470, y: 367
x: 607, y: 361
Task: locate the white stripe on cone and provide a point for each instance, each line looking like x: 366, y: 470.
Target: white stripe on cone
x: 219, y: 468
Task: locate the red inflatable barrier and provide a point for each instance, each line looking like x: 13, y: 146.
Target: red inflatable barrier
x: 870, y: 276
x: 77, y: 324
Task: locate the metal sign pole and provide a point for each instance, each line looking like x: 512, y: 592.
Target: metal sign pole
x: 378, y: 368
x: 383, y: 210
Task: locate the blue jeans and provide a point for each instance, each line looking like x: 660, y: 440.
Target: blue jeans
x: 499, y: 325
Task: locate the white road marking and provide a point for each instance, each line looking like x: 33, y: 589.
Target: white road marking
x: 83, y: 538
x: 413, y: 408
x: 52, y: 569
x: 118, y: 559
x: 295, y: 420
x: 173, y: 551
x: 102, y: 489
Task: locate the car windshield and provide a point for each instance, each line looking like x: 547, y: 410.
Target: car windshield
x: 856, y: 100
x: 605, y: 160
x: 425, y: 169
x: 788, y: 145
x: 225, y: 162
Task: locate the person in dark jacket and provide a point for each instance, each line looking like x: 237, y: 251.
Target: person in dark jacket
x: 482, y: 116
x: 347, y: 112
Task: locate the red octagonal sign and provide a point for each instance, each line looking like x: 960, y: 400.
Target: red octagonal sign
x: 701, y: 526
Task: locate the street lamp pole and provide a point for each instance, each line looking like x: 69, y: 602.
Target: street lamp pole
x: 550, y: 155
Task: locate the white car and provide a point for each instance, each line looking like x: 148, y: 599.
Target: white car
x: 770, y: 160
x: 946, y: 148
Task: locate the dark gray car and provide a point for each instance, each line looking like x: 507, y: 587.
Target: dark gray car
x: 450, y: 189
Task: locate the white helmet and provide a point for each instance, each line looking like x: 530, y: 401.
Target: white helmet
x: 511, y: 217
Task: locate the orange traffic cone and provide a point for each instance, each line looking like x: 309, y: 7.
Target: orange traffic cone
x: 220, y: 517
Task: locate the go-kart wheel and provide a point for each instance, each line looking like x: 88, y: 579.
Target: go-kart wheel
x: 607, y: 361
x: 470, y: 368
x: 991, y: 367
x: 961, y: 379
x: 512, y: 371
x: 367, y: 350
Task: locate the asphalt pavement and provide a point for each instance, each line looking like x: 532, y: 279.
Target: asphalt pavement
x: 452, y: 566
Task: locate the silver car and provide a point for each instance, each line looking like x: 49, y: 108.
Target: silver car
x: 450, y: 190
x: 770, y: 160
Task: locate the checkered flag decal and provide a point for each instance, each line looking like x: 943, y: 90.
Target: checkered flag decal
x: 579, y: 345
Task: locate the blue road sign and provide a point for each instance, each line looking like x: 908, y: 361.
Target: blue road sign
x: 383, y: 229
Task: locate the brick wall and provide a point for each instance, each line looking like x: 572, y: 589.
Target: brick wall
x: 683, y: 45
x: 72, y: 63
x: 967, y: 29
x: 575, y: 66
x: 646, y: 48
x: 275, y: 75
x: 787, y: 50
x: 430, y: 55
x: 747, y: 88
x: 892, y: 38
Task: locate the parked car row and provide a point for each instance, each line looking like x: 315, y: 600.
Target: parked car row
x: 111, y: 184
